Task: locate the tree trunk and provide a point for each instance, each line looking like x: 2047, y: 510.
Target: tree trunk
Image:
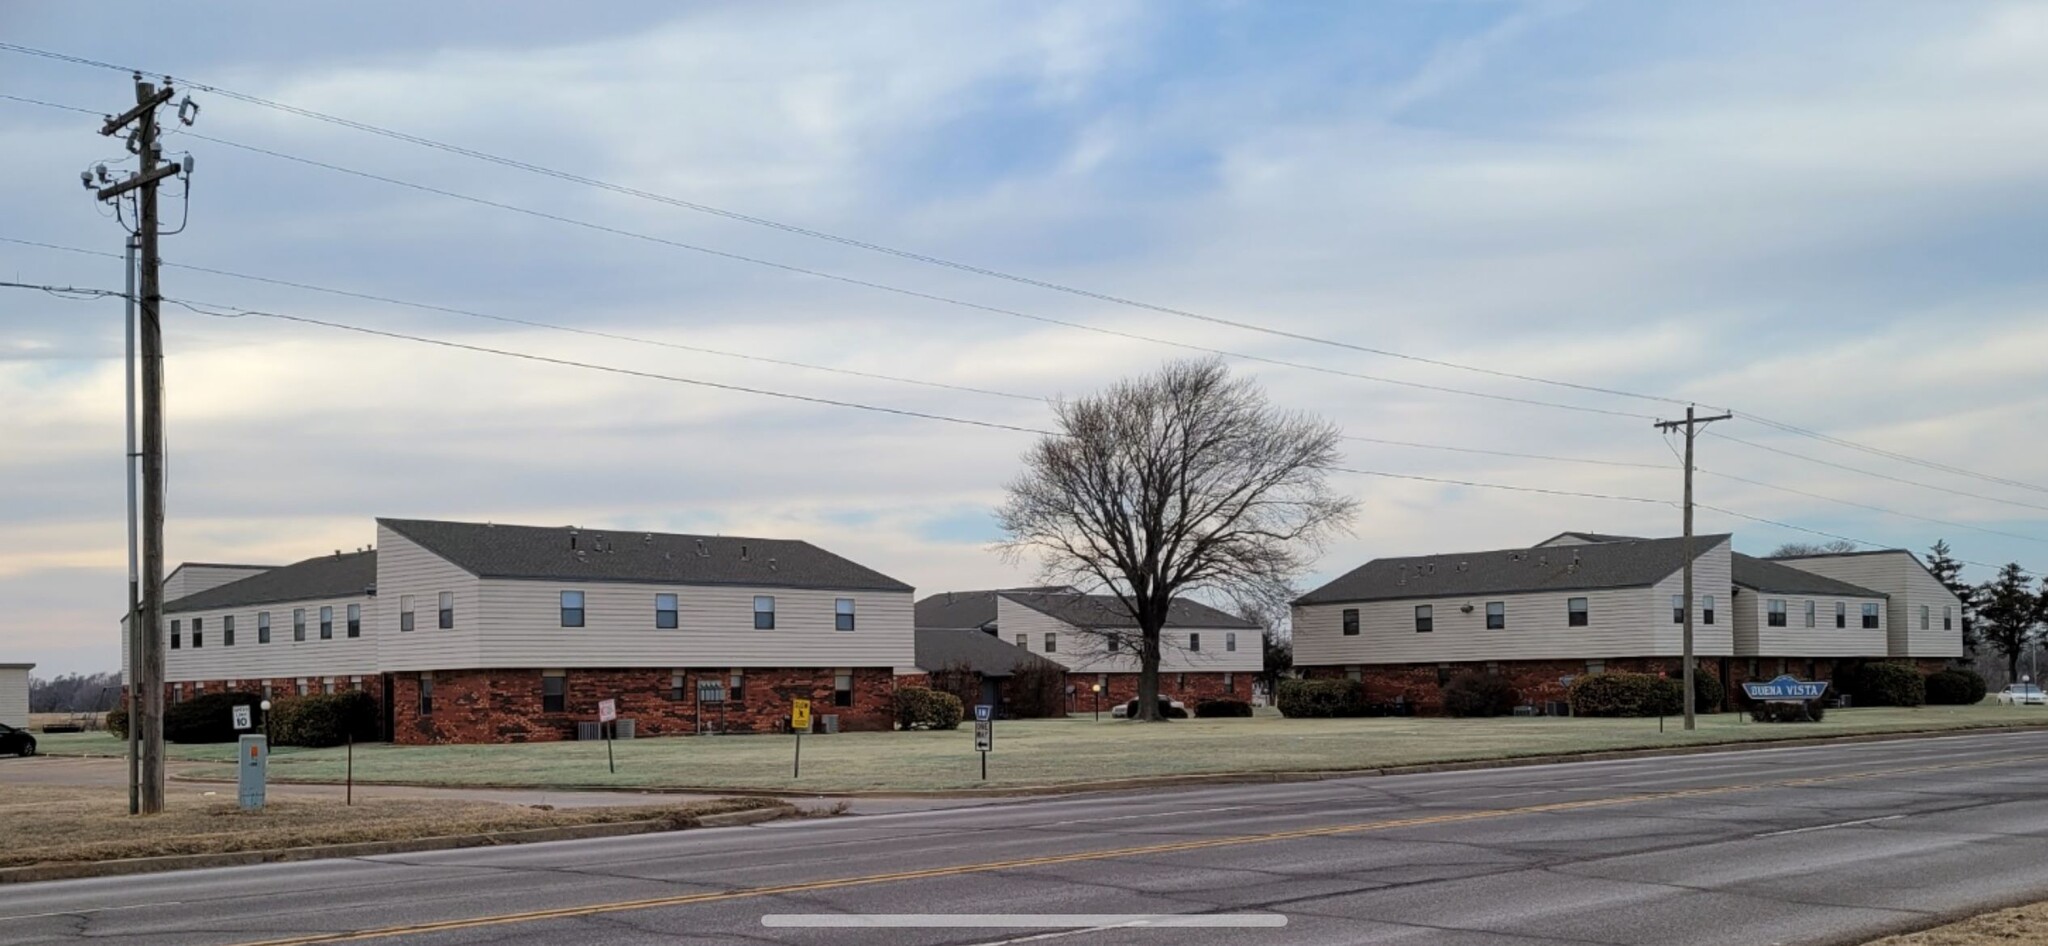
x: 2012, y: 667
x: 1148, y: 676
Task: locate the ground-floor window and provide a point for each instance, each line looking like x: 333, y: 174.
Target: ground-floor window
x: 736, y: 687
x: 842, y: 688
x: 1353, y: 673
x: 1596, y: 666
x: 554, y: 691
x: 1229, y: 682
x: 677, y: 681
x: 426, y: 694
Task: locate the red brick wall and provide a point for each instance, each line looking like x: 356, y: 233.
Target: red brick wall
x: 1538, y: 681
x: 483, y: 706
x: 1189, y: 688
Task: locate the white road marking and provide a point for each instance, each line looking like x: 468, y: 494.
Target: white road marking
x: 136, y: 906
x: 1148, y: 814
x: 1824, y: 827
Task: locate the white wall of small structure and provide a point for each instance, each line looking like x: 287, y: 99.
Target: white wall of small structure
x: 14, y: 694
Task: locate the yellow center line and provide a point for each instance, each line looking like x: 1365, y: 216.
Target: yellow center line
x: 1170, y: 847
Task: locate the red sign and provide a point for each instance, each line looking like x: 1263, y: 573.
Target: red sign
x: 607, y: 710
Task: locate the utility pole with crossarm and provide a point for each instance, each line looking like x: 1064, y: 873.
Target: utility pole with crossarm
x: 146, y: 657
x: 1691, y: 424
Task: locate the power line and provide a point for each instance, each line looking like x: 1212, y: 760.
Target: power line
x: 204, y: 308
x: 1890, y: 455
x: 66, y: 292
x: 843, y: 240
x: 1889, y: 512
x: 1502, y: 486
x: 1818, y: 532
x: 1872, y: 473
x: 1506, y: 453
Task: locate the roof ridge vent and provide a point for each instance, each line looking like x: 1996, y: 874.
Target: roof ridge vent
x: 572, y: 538
x: 1462, y: 566
x: 771, y: 563
x: 743, y: 553
x: 702, y: 551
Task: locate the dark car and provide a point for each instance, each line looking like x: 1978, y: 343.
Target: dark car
x: 16, y: 741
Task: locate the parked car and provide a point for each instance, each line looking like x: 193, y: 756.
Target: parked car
x: 2022, y: 694
x: 1168, y: 709
x: 16, y: 741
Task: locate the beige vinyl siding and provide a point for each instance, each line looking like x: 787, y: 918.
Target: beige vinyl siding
x: 522, y: 621
x: 14, y: 695
x: 1899, y: 575
x: 404, y: 568
x: 1621, y: 622
x: 1083, y: 652
x: 193, y: 579
x: 1755, y: 637
x: 282, y: 657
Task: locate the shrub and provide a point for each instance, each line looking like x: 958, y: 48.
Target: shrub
x: 1166, y: 709
x: 1776, y: 711
x: 1617, y: 693
x: 1955, y: 688
x: 1222, y: 709
x: 1479, y: 694
x: 117, y: 722
x: 1321, y: 699
x: 207, y: 718
x: 1706, y: 690
x: 1037, y: 689
x: 1889, y: 684
x: 323, y: 719
x: 922, y: 708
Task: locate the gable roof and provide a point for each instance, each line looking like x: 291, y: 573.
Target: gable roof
x: 348, y: 575
x: 1585, y: 538
x: 1622, y: 564
x: 1794, y: 560
x: 1089, y: 611
x: 1759, y: 574
x: 489, y: 550
x: 942, y: 648
x: 972, y: 609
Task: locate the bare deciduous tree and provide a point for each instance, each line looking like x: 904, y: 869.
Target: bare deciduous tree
x: 1830, y: 547
x: 1184, y: 481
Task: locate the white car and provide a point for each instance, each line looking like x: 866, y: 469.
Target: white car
x: 2022, y: 694
x: 1123, y: 710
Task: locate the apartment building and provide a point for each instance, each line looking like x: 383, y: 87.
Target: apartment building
x: 481, y: 632
x: 1581, y: 603
x: 1204, y: 653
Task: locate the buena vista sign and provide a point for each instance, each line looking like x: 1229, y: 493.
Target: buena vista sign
x: 1786, y: 688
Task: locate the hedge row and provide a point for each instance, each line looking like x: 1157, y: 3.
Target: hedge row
x: 1955, y: 688
x: 1480, y: 694
x: 922, y: 708
x: 1222, y: 709
x: 1321, y: 699
x: 318, y: 720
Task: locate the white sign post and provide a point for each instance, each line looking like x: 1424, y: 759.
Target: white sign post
x: 984, y: 734
x: 607, y: 721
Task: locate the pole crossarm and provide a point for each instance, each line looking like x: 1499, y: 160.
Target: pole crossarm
x: 139, y: 180
x: 143, y: 105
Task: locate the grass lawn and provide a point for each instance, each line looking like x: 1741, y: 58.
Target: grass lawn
x: 47, y: 824
x: 2015, y: 927
x: 1039, y: 752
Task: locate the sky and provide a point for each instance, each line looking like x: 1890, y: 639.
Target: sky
x: 1826, y: 214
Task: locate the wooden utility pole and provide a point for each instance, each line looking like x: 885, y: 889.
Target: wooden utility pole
x: 1691, y: 423
x: 146, y: 688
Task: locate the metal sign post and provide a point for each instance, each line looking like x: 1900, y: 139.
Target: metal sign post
x: 984, y: 734
x: 799, y: 720
x: 608, y: 722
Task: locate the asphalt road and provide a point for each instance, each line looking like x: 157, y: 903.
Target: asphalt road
x: 1817, y: 845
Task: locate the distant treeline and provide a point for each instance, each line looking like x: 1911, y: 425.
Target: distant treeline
x: 75, y: 693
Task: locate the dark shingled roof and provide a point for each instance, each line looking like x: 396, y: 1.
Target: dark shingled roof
x: 942, y: 648
x: 1089, y: 611
x: 1759, y: 574
x: 542, y: 552
x: 347, y: 575
x: 957, y: 609
x: 1589, y: 538
x: 1622, y: 564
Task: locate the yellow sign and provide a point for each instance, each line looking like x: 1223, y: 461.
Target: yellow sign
x: 800, y: 715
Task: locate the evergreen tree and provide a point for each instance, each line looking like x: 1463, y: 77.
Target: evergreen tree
x: 2011, y: 611
x: 1950, y: 572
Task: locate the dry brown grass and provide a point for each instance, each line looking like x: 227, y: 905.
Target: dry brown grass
x: 42, y: 825
x: 2021, y: 926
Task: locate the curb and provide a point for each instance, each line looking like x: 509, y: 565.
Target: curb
x: 36, y: 873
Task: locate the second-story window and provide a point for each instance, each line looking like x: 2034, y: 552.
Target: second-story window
x: 262, y: 627
x: 1841, y: 614
x: 405, y: 612
x: 1230, y: 642
x: 1194, y: 642
x: 447, y: 615
x: 1576, y: 613
x: 1923, y: 617
x: 1678, y: 609
x: 227, y: 631
x: 1052, y: 642
x: 1496, y: 615
x: 1023, y: 642
x: 1350, y: 622
x: 572, y: 609
x: 1809, y: 613
x: 554, y: 691
x: 1869, y: 619
x: 355, y: 620
x: 1775, y: 612
x: 327, y: 623
x: 198, y: 630
x: 298, y: 624
x: 176, y: 635
x: 764, y: 612
x: 1113, y: 642
x: 1948, y: 618
x: 842, y: 614
x: 665, y: 612
x: 1425, y: 618
x: 1707, y: 610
